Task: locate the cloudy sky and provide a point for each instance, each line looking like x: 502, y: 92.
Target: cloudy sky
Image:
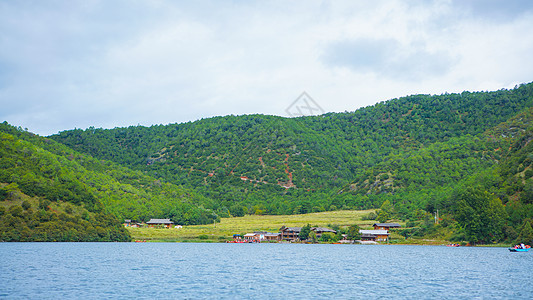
x: 75, y: 64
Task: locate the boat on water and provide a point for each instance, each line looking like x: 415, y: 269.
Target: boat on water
x: 520, y: 248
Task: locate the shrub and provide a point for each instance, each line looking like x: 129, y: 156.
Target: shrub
x: 15, y: 211
x: 3, y: 194
x: 44, y: 203
x: 383, y: 216
x: 26, y: 205
x: 370, y: 216
x: 328, y: 237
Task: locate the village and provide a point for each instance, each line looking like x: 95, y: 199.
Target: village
x: 379, y: 233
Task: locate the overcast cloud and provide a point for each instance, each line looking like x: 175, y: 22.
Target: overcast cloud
x: 67, y: 64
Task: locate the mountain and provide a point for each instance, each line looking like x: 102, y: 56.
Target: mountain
x: 49, y: 192
x: 402, y: 148
x: 496, y: 204
x: 464, y: 155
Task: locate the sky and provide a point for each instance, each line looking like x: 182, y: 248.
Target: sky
x: 76, y: 64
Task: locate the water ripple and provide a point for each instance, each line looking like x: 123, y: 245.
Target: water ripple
x: 273, y: 271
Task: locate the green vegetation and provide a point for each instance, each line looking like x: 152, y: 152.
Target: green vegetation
x: 410, y: 156
x: 353, y: 233
x: 526, y: 234
x: 41, y: 167
x: 304, y: 233
x: 224, y: 230
x: 24, y: 218
x: 45, y: 172
x: 467, y: 156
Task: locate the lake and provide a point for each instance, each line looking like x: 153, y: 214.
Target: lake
x: 272, y: 271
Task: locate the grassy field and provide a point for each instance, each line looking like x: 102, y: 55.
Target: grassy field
x: 224, y: 230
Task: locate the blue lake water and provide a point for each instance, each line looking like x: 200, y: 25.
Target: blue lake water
x: 271, y: 271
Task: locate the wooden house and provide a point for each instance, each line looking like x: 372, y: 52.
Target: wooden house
x: 260, y: 236
x: 252, y: 237
x: 269, y: 236
x: 385, y: 226
x: 290, y: 233
x: 379, y: 235
x: 166, y: 223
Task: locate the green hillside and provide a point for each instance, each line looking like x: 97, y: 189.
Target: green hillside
x: 465, y: 155
x: 275, y: 165
x: 50, y: 192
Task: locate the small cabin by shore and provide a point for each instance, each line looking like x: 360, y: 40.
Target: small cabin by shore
x: 290, y: 233
x: 166, y: 223
x: 251, y: 237
x: 260, y: 236
x: 269, y: 236
x: 374, y: 235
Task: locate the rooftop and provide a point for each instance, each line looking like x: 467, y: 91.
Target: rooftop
x: 393, y: 225
x: 159, y: 221
x: 374, y: 232
x: 297, y: 229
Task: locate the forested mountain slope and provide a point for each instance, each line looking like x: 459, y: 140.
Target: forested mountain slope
x: 497, y: 203
x: 47, y: 189
x: 413, y: 148
x: 467, y: 155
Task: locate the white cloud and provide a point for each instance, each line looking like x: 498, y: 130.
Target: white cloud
x: 106, y: 64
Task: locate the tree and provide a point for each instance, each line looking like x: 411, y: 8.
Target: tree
x: 26, y: 205
x: 328, y: 237
x: 371, y: 216
x: 11, y: 189
x: 526, y: 234
x: 481, y: 214
x: 353, y: 233
x: 312, y: 237
x: 304, y: 232
x: 44, y: 204
x: 238, y: 210
x: 383, y: 216
x: 3, y: 194
x: 16, y: 211
x: 527, y: 194
x: 386, y: 206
